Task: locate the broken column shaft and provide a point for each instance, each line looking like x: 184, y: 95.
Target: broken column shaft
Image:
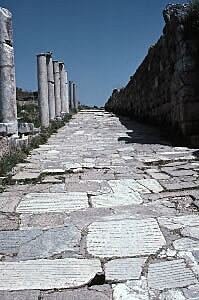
x: 57, y: 88
x: 43, y: 89
x: 51, y: 93
x: 8, y: 106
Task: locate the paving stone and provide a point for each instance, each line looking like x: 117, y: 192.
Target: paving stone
x: 25, y: 175
x: 191, y: 260
x: 9, y: 222
x: 125, y: 186
x: 113, y: 199
x: 191, y: 292
x: 10, y: 241
x: 51, y: 242
x: 83, y: 186
x: 172, y: 295
x: 43, y: 221
x: 53, y: 171
x: 178, y: 186
x: 180, y: 173
x: 140, y: 237
x: 94, y: 293
x: 52, y: 202
x: 124, y: 269
x: 159, y: 176
x: 132, y: 290
x: 192, y: 232
x: 9, y: 201
x: 20, y: 295
x: 47, y: 274
x: 151, y: 184
x: 170, y: 274
x: 173, y: 223
x: 186, y: 244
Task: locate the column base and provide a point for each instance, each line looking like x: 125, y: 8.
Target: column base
x: 8, y: 128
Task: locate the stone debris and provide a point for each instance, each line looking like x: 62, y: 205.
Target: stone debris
x: 47, y: 274
x: 140, y: 237
x: 170, y: 274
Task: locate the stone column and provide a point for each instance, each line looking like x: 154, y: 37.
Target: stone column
x: 43, y: 89
x: 67, y: 100
x: 75, y: 101
x: 71, y: 95
x: 51, y: 93
x: 62, y: 87
x: 57, y: 88
x: 8, y: 106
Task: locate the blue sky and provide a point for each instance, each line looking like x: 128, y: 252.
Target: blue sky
x: 102, y: 42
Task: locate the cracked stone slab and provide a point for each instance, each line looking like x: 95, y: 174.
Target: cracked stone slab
x: 151, y: 184
x: 94, y: 293
x: 140, y: 237
x: 51, y: 242
x: 124, y: 269
x: 186, y: 244
x: 53, y: 202
x: 20, y: 295
x: 114, y: 199
x: 173, y: 223
x: 170, y: 274
x: 132, y: 290
x: 47, y: 274
x: 126, y: 186
x: 10, y: 241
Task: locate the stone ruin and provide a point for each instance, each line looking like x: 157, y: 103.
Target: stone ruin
x: 53, y: 91
x: 164, y: 89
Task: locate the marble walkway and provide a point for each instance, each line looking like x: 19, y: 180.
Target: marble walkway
x: 107, y: 209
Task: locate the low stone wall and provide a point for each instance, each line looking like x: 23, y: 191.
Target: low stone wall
x: 165, y: 90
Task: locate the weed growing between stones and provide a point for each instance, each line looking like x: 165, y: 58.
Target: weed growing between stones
x: 10, y: 160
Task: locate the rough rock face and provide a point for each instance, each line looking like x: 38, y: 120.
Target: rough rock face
x: 164, y: 90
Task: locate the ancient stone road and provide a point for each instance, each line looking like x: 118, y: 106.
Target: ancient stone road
x: 105, y: 210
